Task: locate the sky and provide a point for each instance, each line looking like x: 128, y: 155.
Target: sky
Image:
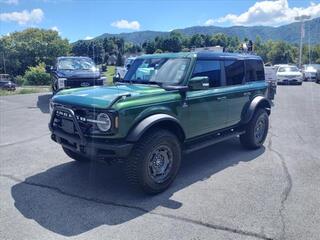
x: 85, y: 19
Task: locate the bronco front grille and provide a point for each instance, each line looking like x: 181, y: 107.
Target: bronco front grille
x: 82, y: 116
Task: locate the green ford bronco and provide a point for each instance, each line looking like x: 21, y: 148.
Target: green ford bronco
x: 166, y: 105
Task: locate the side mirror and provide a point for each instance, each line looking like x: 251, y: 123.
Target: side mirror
x: 116, y: 78
x: 199, y: 83
x: 128, y: 66
x: 49, y: 69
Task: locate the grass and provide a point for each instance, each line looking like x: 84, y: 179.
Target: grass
x: 26, y: 90
x: 111, y: 71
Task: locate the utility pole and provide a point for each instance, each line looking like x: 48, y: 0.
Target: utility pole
x: 4, y: 63
x: 301, y: 19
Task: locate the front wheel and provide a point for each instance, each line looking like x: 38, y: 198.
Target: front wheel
x: 256, y: 130
x: 154, y: 161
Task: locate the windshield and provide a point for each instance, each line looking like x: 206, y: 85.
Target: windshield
x: 129, y: 61
x: 76, y: 64
x: 288, y: 69
x: 311, y: 67
x: 157, y: 70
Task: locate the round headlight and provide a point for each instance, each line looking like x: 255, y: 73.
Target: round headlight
x: 103, y: 122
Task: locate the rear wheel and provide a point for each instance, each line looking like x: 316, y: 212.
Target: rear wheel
x: 256, y: 130
x: 154, y: 162
x: 75, y: 156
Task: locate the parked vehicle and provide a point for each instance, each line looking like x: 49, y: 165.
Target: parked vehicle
x: 6, y: 83
x: 288, y: 74
x: 182, y: 103
x: 121, y: 71
x: 318, y: 76
x: 271, y: 79
x: 310, y: 72
x: 75, y: 72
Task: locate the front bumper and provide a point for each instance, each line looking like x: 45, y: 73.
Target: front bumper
x: 289, y: 80
x: 9, y: 87
x: 93, y: 147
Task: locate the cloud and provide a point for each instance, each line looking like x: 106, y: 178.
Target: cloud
x: 88, y: 38
x: 270, y: 13
x: 10, y: 2
x: 24, y: 17
x: 55, y: 28
x: 134, y: 25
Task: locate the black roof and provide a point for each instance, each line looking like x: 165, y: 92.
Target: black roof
x: 223, y: 55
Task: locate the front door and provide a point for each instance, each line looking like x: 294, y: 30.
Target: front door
x: 207, y: 109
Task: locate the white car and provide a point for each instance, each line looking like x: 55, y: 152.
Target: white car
x: 310, y: 72
x: 288, y: 74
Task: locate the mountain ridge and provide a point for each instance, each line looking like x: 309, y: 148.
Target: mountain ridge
x: 289, y: 32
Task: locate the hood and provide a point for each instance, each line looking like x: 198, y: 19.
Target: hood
x: 312, y: 70
x: 289, y: 74
x: 70, y: 74
x: 102, y: 97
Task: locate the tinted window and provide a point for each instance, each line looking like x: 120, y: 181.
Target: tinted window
x: 254, y: 70
x: 209, y: 68
x: 234, y: 71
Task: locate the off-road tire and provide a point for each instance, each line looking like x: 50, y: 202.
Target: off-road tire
x: 249, y: 139
x: 138, y: 163
x: 76, y: 156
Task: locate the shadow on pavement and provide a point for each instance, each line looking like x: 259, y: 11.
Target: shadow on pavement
x: 43, y: 102
x: 73, y: 198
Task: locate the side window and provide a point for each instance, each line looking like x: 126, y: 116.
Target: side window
x: 234, y: 71
x: 209, y: 68
x: 254, y: 70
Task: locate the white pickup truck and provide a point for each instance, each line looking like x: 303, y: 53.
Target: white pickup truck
x: 121, y: 71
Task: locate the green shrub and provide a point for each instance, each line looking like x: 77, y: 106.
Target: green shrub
x: 19, y: 80
x: 37, y: 75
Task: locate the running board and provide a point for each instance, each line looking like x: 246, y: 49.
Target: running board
x: 219, y: 137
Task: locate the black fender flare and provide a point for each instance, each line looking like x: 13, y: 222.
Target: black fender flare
x: 257, y: 102
x: 139, y: 129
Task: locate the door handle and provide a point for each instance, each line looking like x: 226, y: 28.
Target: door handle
x: 247, y: 94
x: 221, y: 98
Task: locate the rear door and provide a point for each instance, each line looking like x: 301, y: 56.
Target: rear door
x: 207, y: 109
x: 237, y: 92
x: 255, y: 77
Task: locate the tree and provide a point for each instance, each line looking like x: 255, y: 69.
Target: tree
x: 196, y: 41
x: 149, y: 47
x: 281, y: 52
x: 21, y: 50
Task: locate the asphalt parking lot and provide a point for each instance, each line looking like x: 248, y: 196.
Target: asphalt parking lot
x: 222, y: 192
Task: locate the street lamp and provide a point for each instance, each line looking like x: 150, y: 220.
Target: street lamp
x: 301, y: 19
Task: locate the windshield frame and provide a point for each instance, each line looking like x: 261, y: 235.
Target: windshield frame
x: 132, y: 70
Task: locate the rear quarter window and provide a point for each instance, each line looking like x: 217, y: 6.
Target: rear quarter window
x: 234, y: 71
x: 254, y: 70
